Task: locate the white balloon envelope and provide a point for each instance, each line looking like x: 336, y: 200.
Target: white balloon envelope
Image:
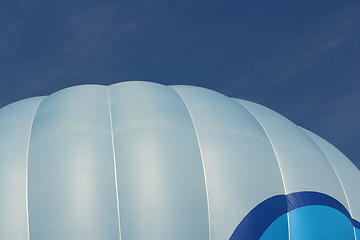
x: 139, y: 160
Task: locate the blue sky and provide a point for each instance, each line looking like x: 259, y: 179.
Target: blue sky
x: 300, y: 58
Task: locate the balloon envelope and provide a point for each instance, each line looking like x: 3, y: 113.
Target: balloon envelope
x: 139, y: 160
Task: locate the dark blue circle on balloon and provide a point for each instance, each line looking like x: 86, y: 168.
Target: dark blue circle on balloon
x: 308, y: 215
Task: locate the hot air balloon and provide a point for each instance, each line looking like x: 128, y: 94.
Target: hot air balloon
x: 140, y: 160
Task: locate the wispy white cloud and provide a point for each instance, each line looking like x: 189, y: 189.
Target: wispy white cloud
x: 77, y: 45
x: 302, y: 53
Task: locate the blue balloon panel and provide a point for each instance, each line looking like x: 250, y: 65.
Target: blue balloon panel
x: 278, y: 229
x: 308, y: 215
x: 311, y: 222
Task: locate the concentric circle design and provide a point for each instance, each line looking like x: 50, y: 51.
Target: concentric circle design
x: 324, y: 216
x: 139, y: 160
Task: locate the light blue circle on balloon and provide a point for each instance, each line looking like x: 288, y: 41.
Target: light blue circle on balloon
x: 311, y: 222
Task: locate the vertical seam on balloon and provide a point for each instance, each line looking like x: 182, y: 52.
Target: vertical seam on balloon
x: 276, y: 156
x: 202, y: 160
x: 27, y: 171
x: 337, y: 176
x: 114, y: 160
